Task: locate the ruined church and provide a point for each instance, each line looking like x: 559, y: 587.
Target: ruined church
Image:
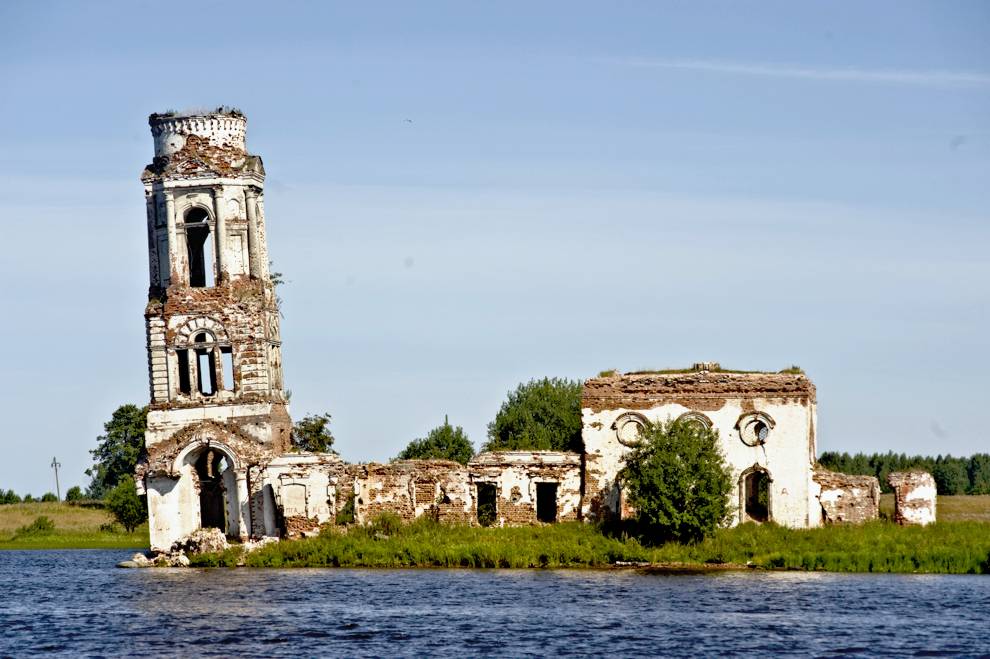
x: 218, y: 443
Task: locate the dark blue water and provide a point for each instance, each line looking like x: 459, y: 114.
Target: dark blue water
x: 78, y: 603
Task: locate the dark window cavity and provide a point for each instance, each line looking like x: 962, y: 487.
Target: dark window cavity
x: 546, y: 502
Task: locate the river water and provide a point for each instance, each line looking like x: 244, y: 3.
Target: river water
x: 78, y: 603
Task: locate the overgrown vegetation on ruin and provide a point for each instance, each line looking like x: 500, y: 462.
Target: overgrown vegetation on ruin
x: 946, y: 547
x: 444, y: 442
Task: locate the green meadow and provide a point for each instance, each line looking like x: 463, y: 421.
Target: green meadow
x: 72, y: 527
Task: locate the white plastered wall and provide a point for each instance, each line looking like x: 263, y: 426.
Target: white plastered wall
x: 787, y: 455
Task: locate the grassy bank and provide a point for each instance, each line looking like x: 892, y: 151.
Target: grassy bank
x: 75, y: 527
x: 947, y: 547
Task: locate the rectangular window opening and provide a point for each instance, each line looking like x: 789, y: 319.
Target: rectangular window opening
x: 184, y: 385
x: 546, y: 502
x: 487, y: 509
x: 205, y: 374
x: 227, y: 360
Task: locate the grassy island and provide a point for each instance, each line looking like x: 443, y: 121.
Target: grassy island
x: 946, y: 547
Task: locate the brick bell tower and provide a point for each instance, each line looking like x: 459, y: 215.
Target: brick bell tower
x: 218, y: 410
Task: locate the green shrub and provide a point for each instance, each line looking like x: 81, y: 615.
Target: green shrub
x: 386, y: 524
x: 74, y: 494
x: 346, y: 513
x: 49, y: 497
x: 442, y: 443
x: 126, y: 506
x: 677, y: 481
x: 40, y: 526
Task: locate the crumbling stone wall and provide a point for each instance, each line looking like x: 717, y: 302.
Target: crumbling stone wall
x: 410, y: 489
x: 914, y: 497
x: 517, y: 476
x: 212, y: 323
x: 765, y: 421
x: 846, y: 499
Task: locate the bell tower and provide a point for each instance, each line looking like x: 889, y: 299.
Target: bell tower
x: 218, y: 411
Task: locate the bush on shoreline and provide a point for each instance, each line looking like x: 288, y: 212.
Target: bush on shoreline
x: 954, y: 547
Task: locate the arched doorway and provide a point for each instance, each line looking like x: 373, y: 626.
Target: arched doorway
x: 213, y: 504
x: 215, y: 488
x: 754, y: 495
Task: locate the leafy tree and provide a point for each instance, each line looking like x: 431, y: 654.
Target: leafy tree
x: 979, y: 473
x: 950, y: 476
x: 677, y: 481
x: 312, y: 434
x: 9, y: 497
x: 539, y: 415
x: 48, y: 497
x: 28, y: 498
x: 443, y: 442
x: 125, y: 505
x: 117, y: 451
x: 75, y: 493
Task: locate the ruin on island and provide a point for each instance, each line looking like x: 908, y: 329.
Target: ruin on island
x: 218, y: 443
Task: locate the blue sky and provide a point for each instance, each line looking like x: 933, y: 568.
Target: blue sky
x: 463, y: 196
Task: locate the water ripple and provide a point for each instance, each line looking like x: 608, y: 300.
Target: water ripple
x: 77, y: 603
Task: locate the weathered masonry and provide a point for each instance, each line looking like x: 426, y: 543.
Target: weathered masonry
x: 765, y: 421
x: 218, y: 412
x: 218, y: 444
x: 218, y: 439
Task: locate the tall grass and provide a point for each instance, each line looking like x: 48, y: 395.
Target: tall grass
x: 962, y: 547
x: 68, y: 527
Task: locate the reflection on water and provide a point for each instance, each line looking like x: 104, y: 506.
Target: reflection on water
x: 76, y: 602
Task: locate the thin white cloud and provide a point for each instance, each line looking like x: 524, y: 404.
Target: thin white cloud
x: 889, y: 76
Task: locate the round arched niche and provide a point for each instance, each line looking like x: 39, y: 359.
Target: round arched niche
x: 628, y: 426
x: 755, y: 428
x: 696, y: 418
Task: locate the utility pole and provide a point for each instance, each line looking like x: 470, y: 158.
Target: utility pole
x: 55, y: 465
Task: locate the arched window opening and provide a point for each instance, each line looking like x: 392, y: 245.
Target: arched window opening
x: 206, y: 364
x: 200, y: 248
x: 212, y: 493
x: 756, y: 496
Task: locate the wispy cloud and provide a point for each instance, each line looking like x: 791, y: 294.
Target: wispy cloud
x: 852, y: 74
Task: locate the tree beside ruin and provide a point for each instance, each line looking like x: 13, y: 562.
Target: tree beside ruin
x: 677, y: 481
x: 126, y: 506
x: 312, y: 433
x: 541, y: 415
x: 444, y: 442
x: 117, y: 450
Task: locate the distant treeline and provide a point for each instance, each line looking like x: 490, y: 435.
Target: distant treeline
x: 952, y: 475
x: 74, y: 494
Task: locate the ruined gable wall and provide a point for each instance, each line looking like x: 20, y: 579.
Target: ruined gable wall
x: 788, y: 454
